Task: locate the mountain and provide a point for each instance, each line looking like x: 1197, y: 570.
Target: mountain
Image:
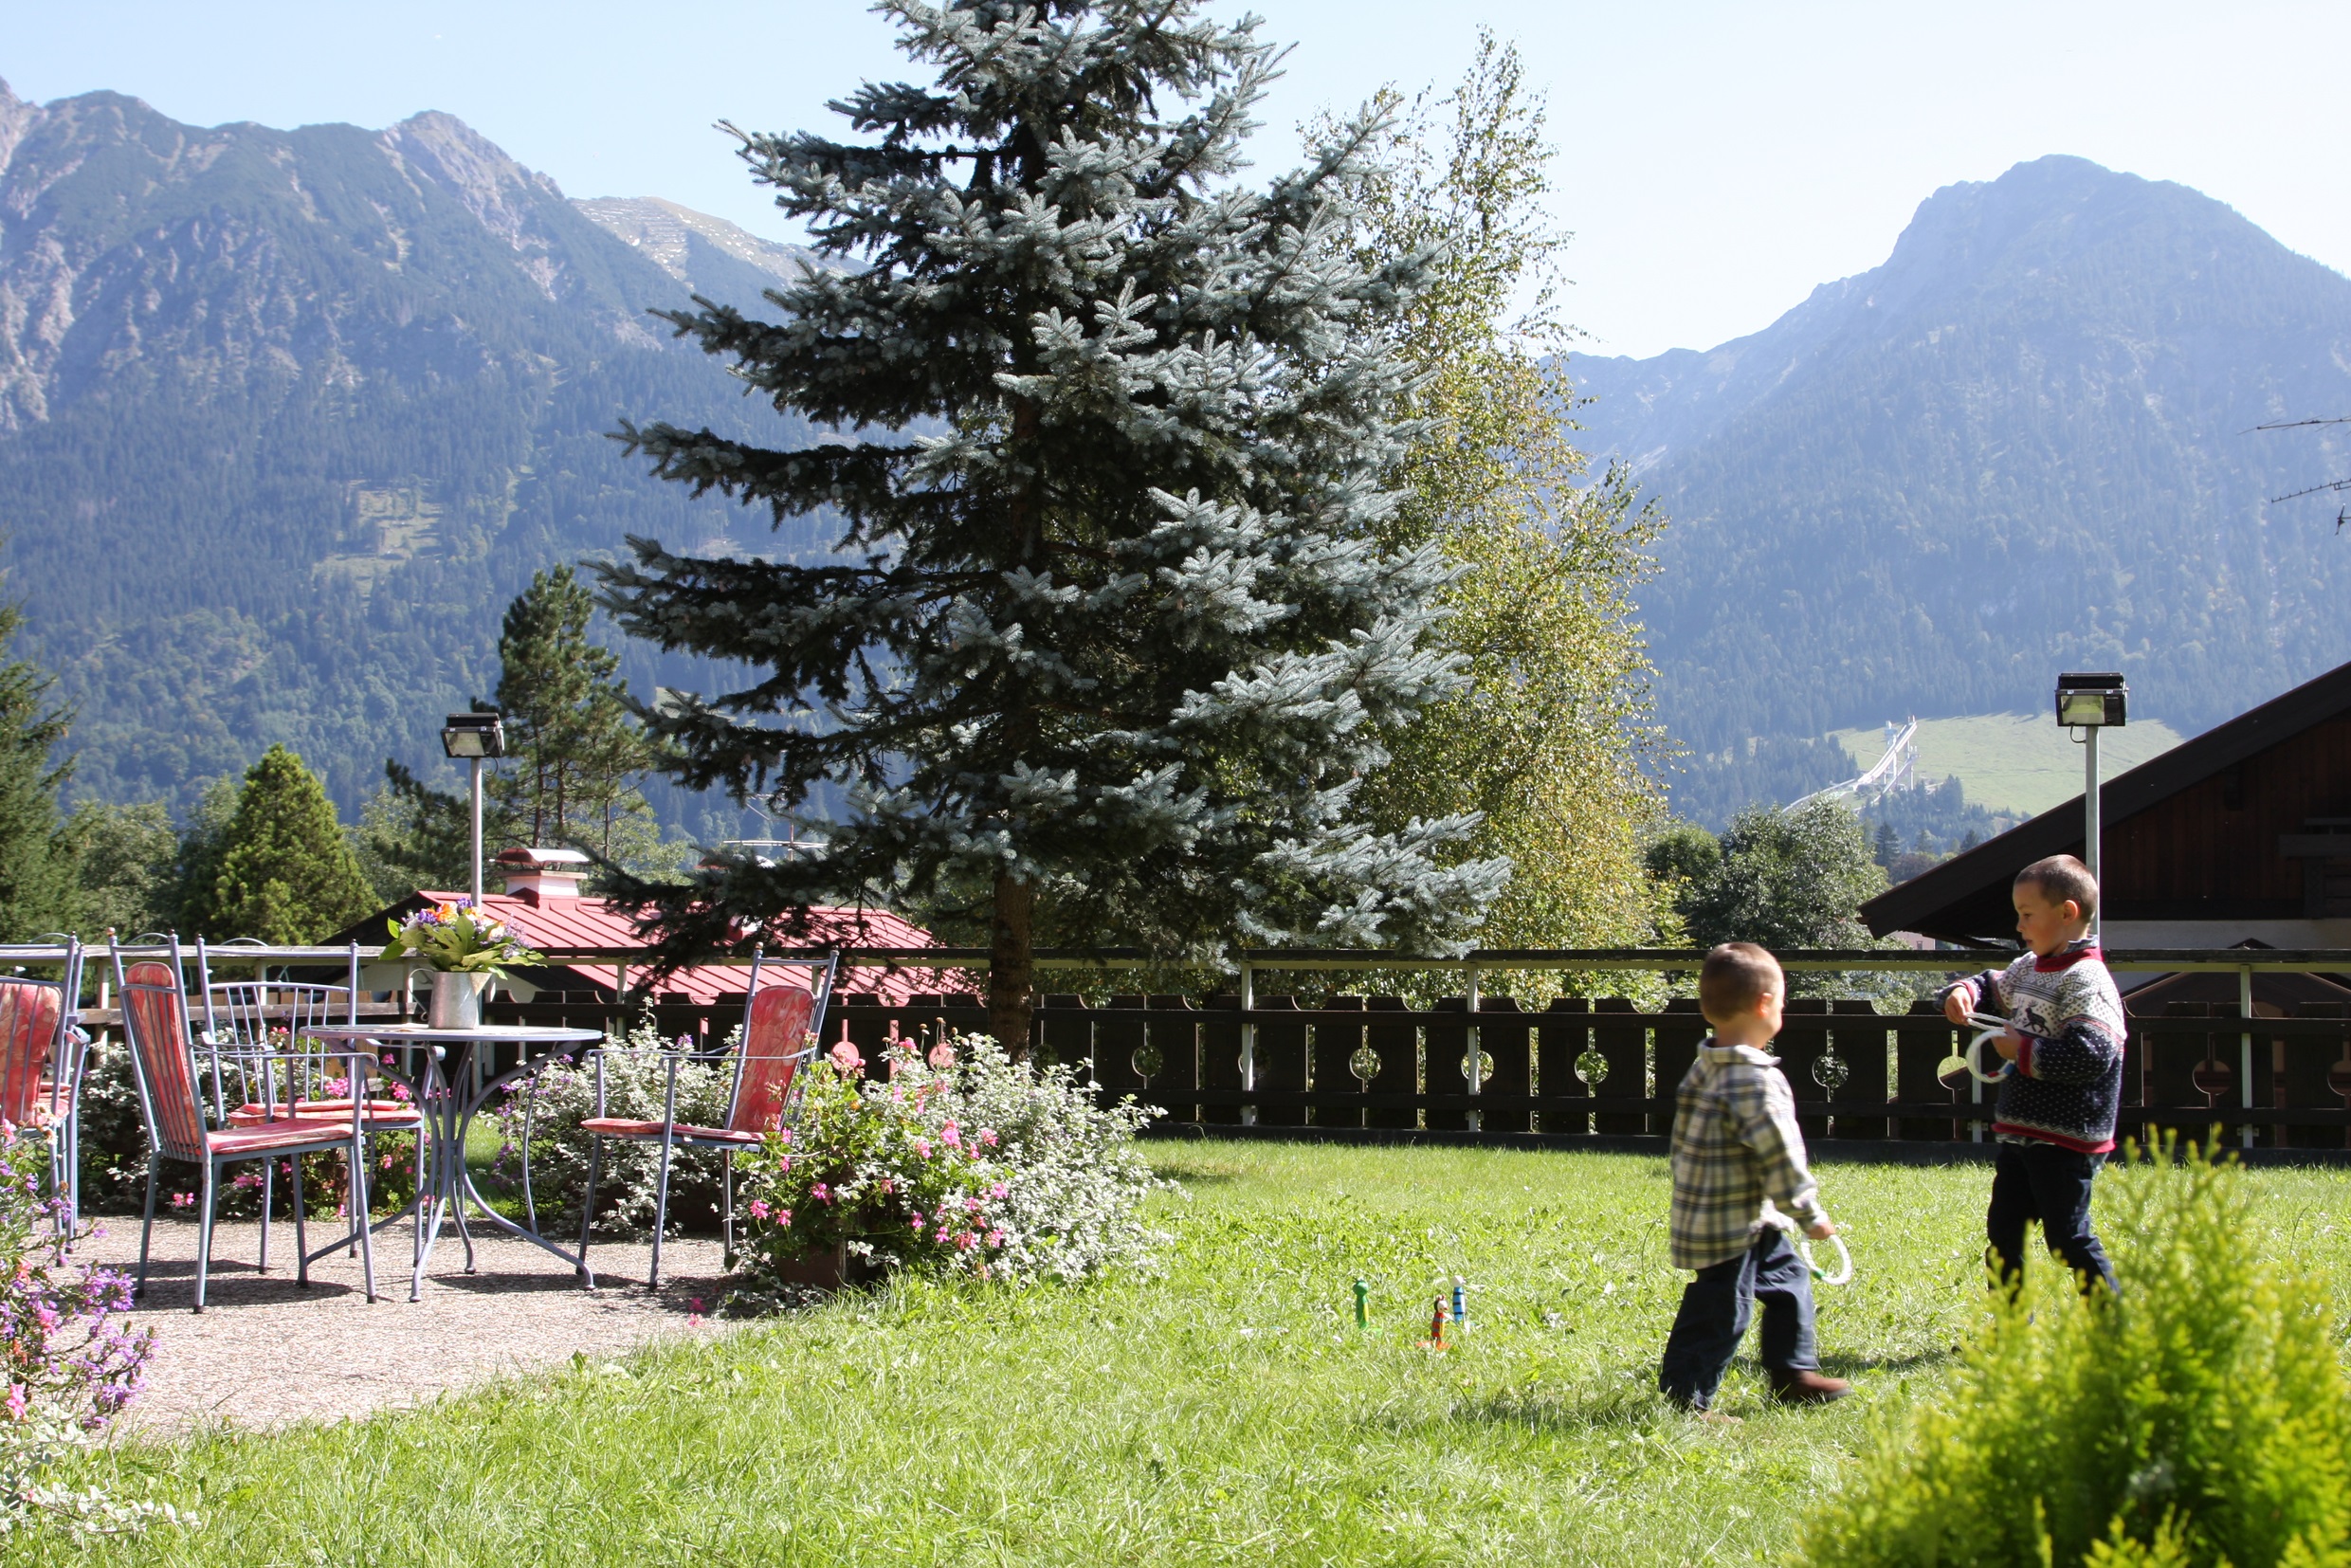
x: 287, y: 418
x: 2022, y: 444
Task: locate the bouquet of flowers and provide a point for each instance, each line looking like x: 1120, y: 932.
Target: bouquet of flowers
x: 454, y: 937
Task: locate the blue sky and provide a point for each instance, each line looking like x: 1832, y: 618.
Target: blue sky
x: 1717, y: 160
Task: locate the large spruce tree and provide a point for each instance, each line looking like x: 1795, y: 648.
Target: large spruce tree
x: 1110, y: 635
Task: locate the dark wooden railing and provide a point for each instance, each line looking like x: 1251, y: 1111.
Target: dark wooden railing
x: 1373, y: 1063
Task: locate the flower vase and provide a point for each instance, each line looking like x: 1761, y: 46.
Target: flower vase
x: 457, y: 999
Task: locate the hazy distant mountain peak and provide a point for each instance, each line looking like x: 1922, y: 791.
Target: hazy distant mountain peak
x: 506, y: 197
x: 665, y: 232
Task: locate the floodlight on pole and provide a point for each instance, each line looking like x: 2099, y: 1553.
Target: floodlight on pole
x: 474, y: 736
x: 2090, y: 702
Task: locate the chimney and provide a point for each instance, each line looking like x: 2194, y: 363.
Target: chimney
x: 542, y: 874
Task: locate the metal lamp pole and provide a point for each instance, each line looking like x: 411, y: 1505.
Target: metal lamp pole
x: 477, y: 823
x: 475, y: 737
x: 2089, y: 701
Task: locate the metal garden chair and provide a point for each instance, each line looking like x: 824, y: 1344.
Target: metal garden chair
x: 163, y: 1057
x: 780, y: 1028
x: 41, y: 1053
x: 255, y: 1032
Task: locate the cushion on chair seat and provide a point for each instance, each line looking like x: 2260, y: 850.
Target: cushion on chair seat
x: 620, y: 1126
x: 273, y: 1135
x: 254, y: 1113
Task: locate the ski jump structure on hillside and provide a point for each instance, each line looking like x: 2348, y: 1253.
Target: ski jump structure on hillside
x: 1897, y: 770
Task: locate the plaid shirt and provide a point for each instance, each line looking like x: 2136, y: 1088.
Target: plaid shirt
x: 1736, y: 1150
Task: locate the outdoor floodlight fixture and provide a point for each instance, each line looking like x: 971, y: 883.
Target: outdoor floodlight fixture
x: 473, y: 734
x: 2088, y: 702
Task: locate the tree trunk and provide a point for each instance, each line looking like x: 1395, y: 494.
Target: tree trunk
x: 1011, y: 967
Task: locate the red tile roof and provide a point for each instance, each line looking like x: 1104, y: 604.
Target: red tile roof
x: 558, y: 923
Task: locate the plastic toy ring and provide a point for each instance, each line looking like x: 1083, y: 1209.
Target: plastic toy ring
x: 1844, y: 1274
x: 1992, y: 1030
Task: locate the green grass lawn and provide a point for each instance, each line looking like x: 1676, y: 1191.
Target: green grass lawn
x: 2014, y: 763
x: 1228, y: 1411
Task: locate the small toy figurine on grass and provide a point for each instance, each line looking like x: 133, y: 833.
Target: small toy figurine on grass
x: 1363, y: 1297
x: 1436, y: 1325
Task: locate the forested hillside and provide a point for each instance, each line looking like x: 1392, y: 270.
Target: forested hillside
x: 286, y: 417
x: 2022, y: 444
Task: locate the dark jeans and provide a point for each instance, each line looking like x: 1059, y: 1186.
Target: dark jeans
x: 1716, y: 1308
x: 2044, y: 1182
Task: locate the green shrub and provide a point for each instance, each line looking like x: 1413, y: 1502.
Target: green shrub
x: 553, y: 1102
x: 2203, y: 1419
x: 960, y: 1162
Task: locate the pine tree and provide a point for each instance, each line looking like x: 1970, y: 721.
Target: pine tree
x: 285, y: 873
x: 37, y: 868
x: 575, y: 752
x: 1108, y: 648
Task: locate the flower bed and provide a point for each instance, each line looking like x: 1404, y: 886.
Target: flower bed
x: 71, y: 1367
x: 960, y: 1162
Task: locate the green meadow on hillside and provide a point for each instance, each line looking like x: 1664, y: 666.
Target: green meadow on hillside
x: 2014, y: 763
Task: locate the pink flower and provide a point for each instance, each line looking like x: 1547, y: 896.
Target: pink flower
x: 965, y: 1242
x: 783, y: 1217
x: 400, y: 1092
x: 783, y: 1164
x: 943, y: 1238
x: 821, y: 1193
x: 1000, y: 1191
x: 782, y: 1132
x: 758, y: 1208
x: 995, y: 1238
x: 988, y: 1136
x: 917, y: 1217
x: 952, y: 1135
x: 971, y: 1205
x: 183, y: 1200
x: 888, y: 1186
x: 923, y: 1147
x: 16, y: 1401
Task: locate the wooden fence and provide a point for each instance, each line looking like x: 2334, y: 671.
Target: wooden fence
x: 1359, y: 1063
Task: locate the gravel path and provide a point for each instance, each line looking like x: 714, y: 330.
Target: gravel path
x: 265, y: 1352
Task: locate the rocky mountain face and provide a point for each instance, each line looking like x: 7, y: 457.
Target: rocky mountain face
x: 2023, y: 445
x: 286, y: 417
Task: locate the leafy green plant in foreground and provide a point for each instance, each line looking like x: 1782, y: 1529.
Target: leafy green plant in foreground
x: 2203, y: 1419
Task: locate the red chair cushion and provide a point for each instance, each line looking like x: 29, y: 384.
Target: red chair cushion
x: 255, y: 1114
x: 273, y: 1136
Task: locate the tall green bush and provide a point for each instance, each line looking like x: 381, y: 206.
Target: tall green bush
x: 2203, y: 1419
x: 285, y: 872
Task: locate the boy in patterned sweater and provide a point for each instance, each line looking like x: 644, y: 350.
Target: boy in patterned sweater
x: 1736, y: 1156
x: 2063, y: 1087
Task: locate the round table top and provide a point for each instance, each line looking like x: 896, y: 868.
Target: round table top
x: 547, y: 1033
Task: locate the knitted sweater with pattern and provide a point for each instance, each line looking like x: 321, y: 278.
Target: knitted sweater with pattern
x: 2068, y: 1085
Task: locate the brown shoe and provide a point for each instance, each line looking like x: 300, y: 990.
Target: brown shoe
x: 1808, y: 1388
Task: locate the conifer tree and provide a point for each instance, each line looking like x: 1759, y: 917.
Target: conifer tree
x: 1108, y: 644
x: 285, y: 872
x: 575, y: 752
x: 39, y: 873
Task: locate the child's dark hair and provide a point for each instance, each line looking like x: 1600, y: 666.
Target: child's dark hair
x: 1735, y: 978
x: 2062, y: 877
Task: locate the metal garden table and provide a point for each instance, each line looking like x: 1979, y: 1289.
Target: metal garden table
x: 448, y: 1112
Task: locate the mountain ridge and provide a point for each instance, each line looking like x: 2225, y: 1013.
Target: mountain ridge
x: 287, y: 416
x: 2018, y: 445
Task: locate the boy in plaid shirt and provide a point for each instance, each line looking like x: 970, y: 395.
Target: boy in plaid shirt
x: 1738, y: 1155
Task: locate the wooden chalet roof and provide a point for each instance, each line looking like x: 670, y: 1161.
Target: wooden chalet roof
x: 2234, y: 824
x: 558, y: 924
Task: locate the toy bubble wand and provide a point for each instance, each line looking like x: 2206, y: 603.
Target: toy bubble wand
x: 1844, y: 1274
